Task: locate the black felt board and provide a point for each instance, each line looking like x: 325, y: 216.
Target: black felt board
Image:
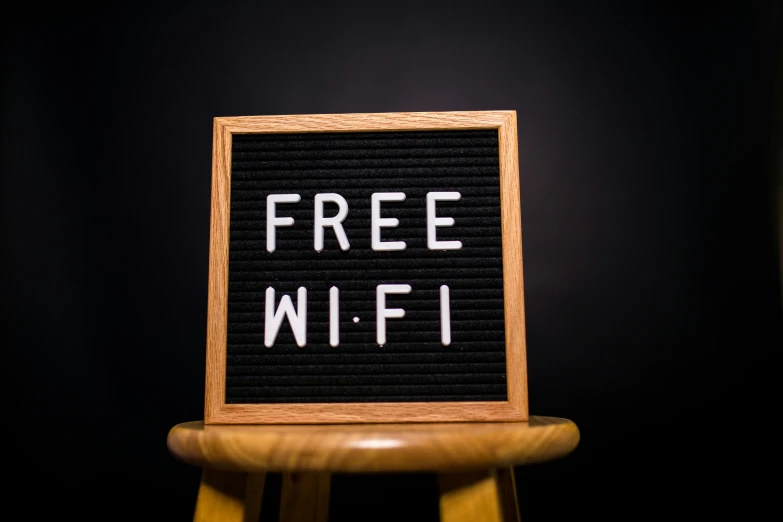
x: 413, y: 366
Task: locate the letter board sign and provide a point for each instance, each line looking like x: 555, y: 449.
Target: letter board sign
x: 365, y: 268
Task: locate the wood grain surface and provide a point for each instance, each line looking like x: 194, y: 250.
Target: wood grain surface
x: 513, y: 285
x: 373, y: 448
x: 507, y: 490
x: 305, y: 497
x: 217, y: 309
x: 229, y: 497
x: 216, y: 411
x: 365, y: 122
x: 474, y: 497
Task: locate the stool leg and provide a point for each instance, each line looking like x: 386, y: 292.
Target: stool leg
x: 305, y: 497
x: 478, y: 496
x: 507, y: 489
x: 226, y: 496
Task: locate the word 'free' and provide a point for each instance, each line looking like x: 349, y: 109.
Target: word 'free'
x: 273, y: 221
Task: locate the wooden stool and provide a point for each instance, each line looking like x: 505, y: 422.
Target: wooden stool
x: 474, y: 462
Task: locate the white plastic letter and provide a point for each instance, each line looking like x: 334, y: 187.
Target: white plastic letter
x: 445, y: 316
x: 377, y: 222
x: 272, y: 221
x: 382, y: 313
x: 335, y: 222
x: 432, y: 221
x: 274, y: 319
x: 334, y: 317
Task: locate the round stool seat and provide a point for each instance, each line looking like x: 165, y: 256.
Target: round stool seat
x: 372, y: 448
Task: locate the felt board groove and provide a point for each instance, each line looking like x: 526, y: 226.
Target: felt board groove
x: 413, y: 366
x: 378, y: 369
x: 365, y: 154
x: 328, y: 380
x: 346, y: 272
x: 351, y: 284
x: 377, y: 392
x: 250, y: 360
x: 375, y: 139
x: 303, y: 165
x: 464, y: 144
x: 323, y: 399
x: 413, y: 253
x: 315, y: 338
x: 253, y: 195
x: 340, y: 137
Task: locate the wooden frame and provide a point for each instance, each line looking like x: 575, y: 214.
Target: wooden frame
x: 216, y: 411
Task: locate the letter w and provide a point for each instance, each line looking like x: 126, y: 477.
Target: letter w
x: 297, y: 319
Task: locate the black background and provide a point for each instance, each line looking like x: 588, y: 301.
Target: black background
x: 651, y: 263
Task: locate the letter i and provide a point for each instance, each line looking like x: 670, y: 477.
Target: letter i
x: 445, y: 316
x: 334, y: 317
